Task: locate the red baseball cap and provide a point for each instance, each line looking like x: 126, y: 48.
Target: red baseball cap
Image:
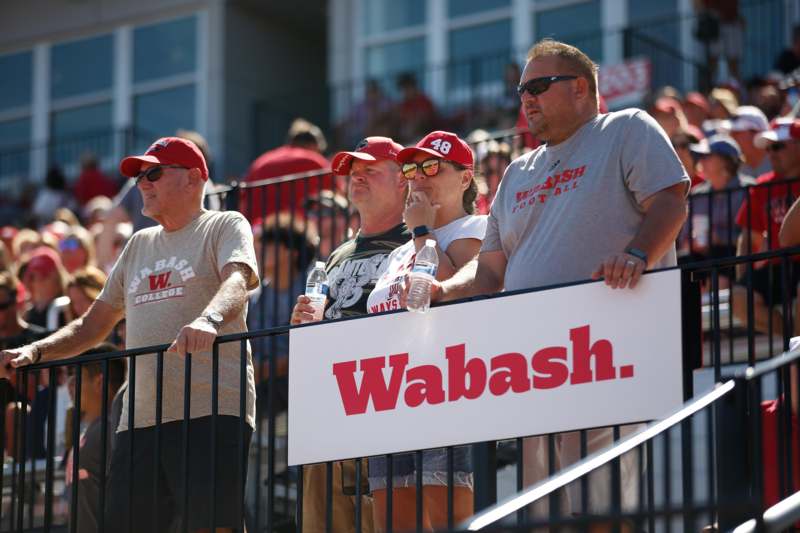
x: 369, y: 149
x: 167, y: 151
x: 443, y: 145
x: 668, y: 105
x: 780, y: 129
x: 698, y: 100
x: 43, y: 260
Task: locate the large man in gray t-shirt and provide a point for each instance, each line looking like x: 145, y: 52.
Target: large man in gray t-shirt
x: 603, y: 197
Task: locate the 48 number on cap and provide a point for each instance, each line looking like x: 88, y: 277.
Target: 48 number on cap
x: 442, y: 146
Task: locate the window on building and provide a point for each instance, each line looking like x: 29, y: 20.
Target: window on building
x: 386, y: 61
x: 457, y: 8
x: 15, y: 138
x: 164, y: 88
x: 77, y: 131
x: 16, y: 87
x: 161, y: 113
x: 16, y: 80
x: 478, y: 55
x: 165, y: 49
x: 385, y: 15
x: 654, y: 32
x: 81, y: 67
x: 576, y: 24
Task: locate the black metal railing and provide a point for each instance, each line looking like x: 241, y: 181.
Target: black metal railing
x: 690, y: 491
x: 732, y: 413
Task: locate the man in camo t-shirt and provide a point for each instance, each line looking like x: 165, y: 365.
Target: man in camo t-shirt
x: 378, y: 191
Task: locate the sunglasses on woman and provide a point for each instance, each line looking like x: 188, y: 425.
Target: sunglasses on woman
x: 537, y: 86
x: 429, y: 167
x: 154, y: 174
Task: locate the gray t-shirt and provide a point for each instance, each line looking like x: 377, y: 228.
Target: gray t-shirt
x: 164, y: 280
x: 561, y: 210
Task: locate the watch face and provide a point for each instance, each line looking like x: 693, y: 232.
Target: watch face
x: 215, y: 317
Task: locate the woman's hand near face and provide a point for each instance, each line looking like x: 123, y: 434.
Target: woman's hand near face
x: 420, y: 211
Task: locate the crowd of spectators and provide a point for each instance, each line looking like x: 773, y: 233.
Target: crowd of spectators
x: 740, y: 145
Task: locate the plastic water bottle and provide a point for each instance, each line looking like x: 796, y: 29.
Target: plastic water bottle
x: 425, y: 266
x: 317, y: 289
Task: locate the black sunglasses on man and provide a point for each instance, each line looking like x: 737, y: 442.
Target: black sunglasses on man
x: 154, y: 174
x: 537, y: 86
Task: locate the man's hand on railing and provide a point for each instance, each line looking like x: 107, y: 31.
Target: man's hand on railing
x: 15, y: 358
x: 620, y: 270
x: 195, y: 337
x: 303, y: 311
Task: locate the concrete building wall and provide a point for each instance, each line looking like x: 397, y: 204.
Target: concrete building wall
x: 275, y: 71
x: 23, y: 23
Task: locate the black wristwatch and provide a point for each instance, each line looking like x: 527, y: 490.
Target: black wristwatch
x: 636, y: 252
x: 215, y: 319
x: 420, y: 231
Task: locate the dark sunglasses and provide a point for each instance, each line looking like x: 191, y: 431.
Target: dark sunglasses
x: 154, y: 174
x: 429, y: 167
x: 776, y: 147
x: 537, y: 86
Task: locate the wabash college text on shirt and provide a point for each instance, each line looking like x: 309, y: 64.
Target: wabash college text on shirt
x: 561, y: 210
x: 164, y: 280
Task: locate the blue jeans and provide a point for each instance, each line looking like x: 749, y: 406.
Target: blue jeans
x: 434, y: 469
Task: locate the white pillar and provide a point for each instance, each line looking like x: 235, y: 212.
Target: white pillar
x: 521, y: 29
x: 614, y: 15
x: 40, y: 111
x: 436, y: 49
x: 210, y: 101
x: 122, y: 89
x: 342, y: 54
x: 689, y: 46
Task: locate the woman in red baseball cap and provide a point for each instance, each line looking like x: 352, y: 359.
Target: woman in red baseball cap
x: 440, y: 206
x: 45, y: 280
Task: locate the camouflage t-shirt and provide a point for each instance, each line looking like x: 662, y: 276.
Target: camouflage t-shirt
x: 355, y: 266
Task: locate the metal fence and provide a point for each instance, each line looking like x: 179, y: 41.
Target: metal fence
x: 703, y: 467
x: 302, y: 218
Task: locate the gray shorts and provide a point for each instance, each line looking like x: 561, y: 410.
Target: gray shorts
x: 434, y: 469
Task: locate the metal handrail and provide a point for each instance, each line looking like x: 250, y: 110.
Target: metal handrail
x: 593, y: 461
x: 782, y: 514
x: 777, y: 518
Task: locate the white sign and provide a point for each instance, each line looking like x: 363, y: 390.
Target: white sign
x: 626, y: 83
x: 529, y: 364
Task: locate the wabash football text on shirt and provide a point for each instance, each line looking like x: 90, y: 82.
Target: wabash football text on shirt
x: 560, y: 210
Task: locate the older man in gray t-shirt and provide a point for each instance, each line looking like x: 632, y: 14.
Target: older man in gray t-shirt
x: 603, y: 197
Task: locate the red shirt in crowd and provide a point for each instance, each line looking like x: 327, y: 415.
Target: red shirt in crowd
x: 696, y: 178
x: 769, y: 207
x: 93, y: 183
x: 280, y: 162
x: 770, y: 453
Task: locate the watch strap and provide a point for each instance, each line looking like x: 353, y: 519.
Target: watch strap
x: 420, y: 231
x: 636, y: 252
x: 214, y: 318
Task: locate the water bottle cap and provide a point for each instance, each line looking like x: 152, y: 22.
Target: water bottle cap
x: 320, y: 264
x: 430, y: 242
